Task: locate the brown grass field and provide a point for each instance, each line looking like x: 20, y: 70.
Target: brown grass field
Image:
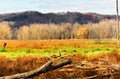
x: 47, y: 44
x: 43, y: 44
x: 10, y: 66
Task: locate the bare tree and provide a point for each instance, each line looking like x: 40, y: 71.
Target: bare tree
x: 5, y: 30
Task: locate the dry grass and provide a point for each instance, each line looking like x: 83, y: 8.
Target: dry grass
x: 48, y: 44
x: 42, y: 44
x: 10, y: 66
x: 28, y: 63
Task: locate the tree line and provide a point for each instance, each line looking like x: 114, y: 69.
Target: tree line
x: 104, y: 30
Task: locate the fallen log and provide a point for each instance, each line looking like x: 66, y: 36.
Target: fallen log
x: 43, y: 69
x: 61, y: 64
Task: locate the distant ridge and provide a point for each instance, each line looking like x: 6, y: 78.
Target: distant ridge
x: 30, y: 17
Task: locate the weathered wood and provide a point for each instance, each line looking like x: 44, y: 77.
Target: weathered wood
x: 45, y: 68
x: 61, y: 64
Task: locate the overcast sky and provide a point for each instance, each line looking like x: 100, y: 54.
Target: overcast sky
x: 46, y: 6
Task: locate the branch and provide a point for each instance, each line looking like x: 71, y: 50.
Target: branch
x: 43, y: 69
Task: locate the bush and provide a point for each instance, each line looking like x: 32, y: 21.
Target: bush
x: 2, y: 50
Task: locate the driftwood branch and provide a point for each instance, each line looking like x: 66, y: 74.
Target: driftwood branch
x: 61, y: 64
x: 45, y: 68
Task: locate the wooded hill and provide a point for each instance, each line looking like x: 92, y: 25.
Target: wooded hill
x: 30, y: 17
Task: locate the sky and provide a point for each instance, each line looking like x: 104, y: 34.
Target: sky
x: 55, y: 6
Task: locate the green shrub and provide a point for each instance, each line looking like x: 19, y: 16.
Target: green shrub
x: 2, y: 50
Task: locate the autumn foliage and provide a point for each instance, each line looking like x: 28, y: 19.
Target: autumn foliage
x: 104, y: 30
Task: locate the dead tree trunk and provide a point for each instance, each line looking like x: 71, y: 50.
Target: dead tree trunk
x: 45, y: 68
